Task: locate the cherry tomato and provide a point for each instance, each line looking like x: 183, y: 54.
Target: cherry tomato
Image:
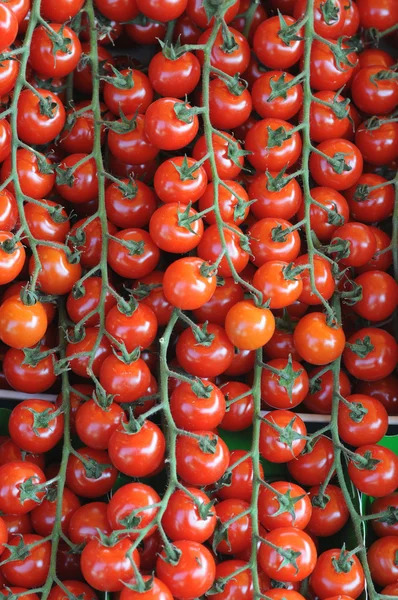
x: 329, y: 25
x: 125, y: 381
x: 374, y: 479
x: 9, y: 26
x: 22, y: 325
x: 106, y: 567
x: 285, y: 504
x: 227, y: 155
x: 327, y: 72
x: 248, y: 326
x: 329, y: 511
x: 95, y: 425
x: 239, y: 532
x: 209, y: 356
x: 385, y: 390
x: 33, y: 569
x: 44, y: 55
x: 382, y: 15
x: 131, y: 92
x: 32, y: 379
x: 189, y: 516
x: 167, y: 125
x: 189, y: 283
x: 283, y: 390
x: 176, y: 77
x: 313, y: 465
x: 275, y: 196
x: 290, y: 538
x: 35, y: 427
x: 44, y: 516
x: 195, y: 464
x: 276, y: 48
x: 319, y: 399
x: 14, y: 477
x: 272, y: 145
x: 329, y: 580
x: 193, y: 574
x: 240, y: 413
x: 230, y: 56
x: 57, y: 274
x: 371, y: 354
x: 281, y: 446
x: 129, y: 498
x: 40, y: 116
x: 377, y: 141
x: 93, y: 478
x: 241, y: 481
x: 87, y: 520
x: 190, y: 404
x: 329, y: 174
x: 317, y: 341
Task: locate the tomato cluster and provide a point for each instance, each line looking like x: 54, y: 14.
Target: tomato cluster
x: 198, y: 243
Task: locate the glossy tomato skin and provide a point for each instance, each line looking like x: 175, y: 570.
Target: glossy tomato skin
x: 271, y: 49
x: 272, y: 447
x: 228, y: 109
x: 329, y: 512
x: 273, y: 391
x: 44, y: 61
x: 33, y: 570
x: 174, y: 77
x: 226, y: 167
x: 382, y: 479
x: 323, y: 172
x: 60, y: 12
x: 22, y: 326
x: 187, y: 407
x: 326, y: 582
x: 311, y: 468
x: 171, y: 236
x: 170, y: 186
x: 279, y: 108
x: 331, y: 28
x: 57, y: 274
x: 79, y: 306
x: 264, y: 248
x: 360, y: 244
x: 195, y: 10
x: 181, y: 519
x: 293, y: 539
x: 269, y: 504
x: 241, y: 486
x: 13, y: 475
x: 95, y: 425
x: 163, y: 127
x: 104, y: 568
x: 316, y: 341
x: 197, y: 467
x: 224, y: 297
x: 157, y: 591
x: 129, y: 497
x: 248, y: 326
x: 11, y: 262
x: 136, y: 330
x: 378, y: 144
x: 186, y: 283
x: 205, y: 360
x: 9, y: 27
x: 379, y: 295
x: 79, y: 365
x: 385, y: 390
x: 320, y: 397
x: 8, y: 210
x: 210, y: 247
x: 133, y: 147
x: 194, y: 574
x: 137, y: 454
x: 377, y: 205
x: 240, y: 531
x: 135, y: 98
x: 374, y: 14
x: 87, y: 520
x: 127, y: 382
x: 44, y: 516
x: 230, y: 62
x: 129, y: 210
x: 381, y: 557
x: 332, y: 200
x: 27, y: 378
x: 382, y: 527
x: 28, y: 435
x: 78, y: 480
x: 373, y: 94
x: 267, y: 156
x: 282, y: 203
x: 41, y: 223
x: 33, y: 127
x: 240, y: 413
x: 137, y: 265
x: 325, y: 72
x: 379, y: 356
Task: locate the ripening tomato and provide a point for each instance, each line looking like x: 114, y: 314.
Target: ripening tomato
x: 314, y: 463
x: 57, y: 273
x: 341, y: 169
x: 277, y: 48
x: 137, y: 452
x: 33, y: 569
x: 318, y: 341
x: 205, y: 352
x: 377, y: 141
x: 370, y: 354
x: 135, y: 255
x: 15, y: 477
x: 337, y: 572
x: 105, y: 567
x: 131, y: 92
x: 240, y: 413
x: 230, y: 51
x: 286, y: 387
x: 280, y: 446
x: 329, y: 511
x: 320, y: 397
x: 170, y: 124
x: 176, y: 77
x: 364, y: 422
x: 87, y: 521
x: 228, y: 155
x: 242, y: 474
x: 35, y: 425
x: 268, y: 242
x: 280, y: 107
x: 375, y: 470
x: 49, y: 59
x: 379, y: 295
x: 30, y: 378
x: 326, y: 71
x: 40, y: 116
x: 191, y: 517
x: 284, y: 504
x: 273, y: 145
x: 374, y: 90
x: 201, y: 460
x: 125, y: 381
x: 172, y: 229
x: 248, y: 326
x: 381, y: 556
x: 93, y: 478
x: 293, y: 539
x: 189, y: 283
x: 193, y: 574
x: 22, y: 326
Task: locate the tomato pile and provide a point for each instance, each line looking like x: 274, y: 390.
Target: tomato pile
x: 198, y: 243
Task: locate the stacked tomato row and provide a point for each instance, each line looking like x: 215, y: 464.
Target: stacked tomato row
x: 122, y: 202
